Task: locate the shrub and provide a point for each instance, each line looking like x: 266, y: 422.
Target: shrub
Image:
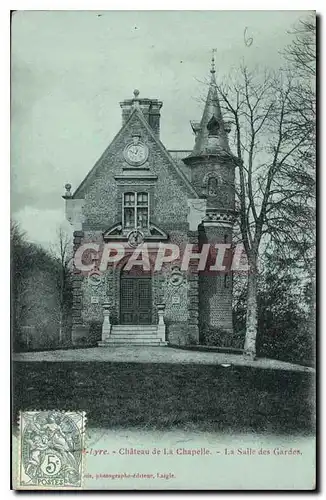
x: 218, y: 337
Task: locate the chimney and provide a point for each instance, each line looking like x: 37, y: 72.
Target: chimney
x: 149, y: 107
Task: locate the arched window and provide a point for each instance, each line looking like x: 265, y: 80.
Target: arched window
x: 135, y: 210
x: 212, y: 186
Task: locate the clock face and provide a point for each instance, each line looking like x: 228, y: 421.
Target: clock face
x: 136, y: 154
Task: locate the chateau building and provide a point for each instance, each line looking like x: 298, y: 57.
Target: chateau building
x: 140, y: 193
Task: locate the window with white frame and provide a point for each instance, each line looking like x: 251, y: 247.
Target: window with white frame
x: 135, y: 210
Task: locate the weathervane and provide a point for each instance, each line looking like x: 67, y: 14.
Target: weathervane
x: 213, y: 61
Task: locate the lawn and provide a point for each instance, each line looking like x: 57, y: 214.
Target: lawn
x: 164, y: 396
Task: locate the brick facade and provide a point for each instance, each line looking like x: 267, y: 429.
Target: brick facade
x: 195, y: 300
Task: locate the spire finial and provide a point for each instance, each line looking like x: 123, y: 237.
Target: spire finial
x: 213, y: 61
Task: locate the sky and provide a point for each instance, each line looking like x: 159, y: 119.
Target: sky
x: 70, y: 70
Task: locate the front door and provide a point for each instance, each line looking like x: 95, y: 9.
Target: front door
x: 135, y: 300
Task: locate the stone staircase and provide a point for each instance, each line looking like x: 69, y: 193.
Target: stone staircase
x: 122, y: 335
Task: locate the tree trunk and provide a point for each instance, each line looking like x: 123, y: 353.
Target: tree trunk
x: 251, y: 317
x: 61, y: 327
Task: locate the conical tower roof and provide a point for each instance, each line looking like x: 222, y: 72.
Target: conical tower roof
x: 211, y: 133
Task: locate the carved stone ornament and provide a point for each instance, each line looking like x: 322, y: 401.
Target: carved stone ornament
x: 95, y: 277
x: 176, y: 278
x: 135, y: 238
x: 214, y: 215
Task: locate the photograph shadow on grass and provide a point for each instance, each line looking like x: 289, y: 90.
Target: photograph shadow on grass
x: 157, y: 396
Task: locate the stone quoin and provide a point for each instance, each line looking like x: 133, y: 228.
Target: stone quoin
x: 140, y: 193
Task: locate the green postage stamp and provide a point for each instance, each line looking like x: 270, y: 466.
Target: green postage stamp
x: 51, y: 449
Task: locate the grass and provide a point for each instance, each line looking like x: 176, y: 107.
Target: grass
x: 165, y: 396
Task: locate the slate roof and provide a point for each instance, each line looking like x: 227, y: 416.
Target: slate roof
x: 212, y: 110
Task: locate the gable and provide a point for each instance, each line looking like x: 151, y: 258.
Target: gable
x: 101, y: 188
x: 135, y: 122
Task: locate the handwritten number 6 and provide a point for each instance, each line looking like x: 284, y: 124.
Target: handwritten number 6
x: 247, y: 40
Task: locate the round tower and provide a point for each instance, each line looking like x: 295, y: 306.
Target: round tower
x: 212, y: 167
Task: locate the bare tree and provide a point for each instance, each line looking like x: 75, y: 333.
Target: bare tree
x: 260, y: 106
x: 63, y: 252
x: 301, y: 57
x: 302, y: 51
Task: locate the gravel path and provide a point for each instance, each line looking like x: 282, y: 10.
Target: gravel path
x: 135, y: 354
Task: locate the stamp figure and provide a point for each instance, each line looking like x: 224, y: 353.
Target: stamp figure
x: 51, y: 444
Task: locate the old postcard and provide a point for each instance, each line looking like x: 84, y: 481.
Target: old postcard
x: 163, y: 250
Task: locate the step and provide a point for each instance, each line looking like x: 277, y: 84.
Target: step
x: 114, y: 342
x: 135, y: 327
x: 133, y: 339
x: 131, y: 334
x: 110, y: 343
x: 154, y: 330
x: 128, y: 338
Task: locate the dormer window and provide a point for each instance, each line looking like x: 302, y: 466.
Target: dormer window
x: 135, y: 210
